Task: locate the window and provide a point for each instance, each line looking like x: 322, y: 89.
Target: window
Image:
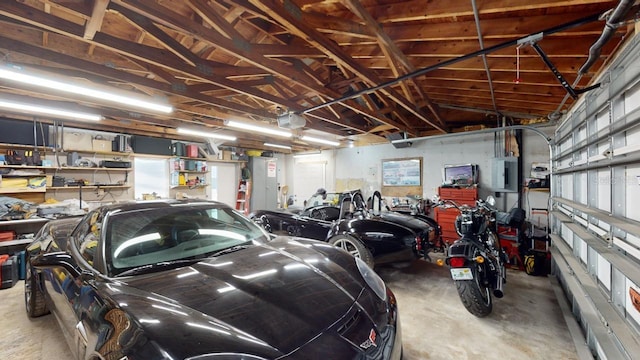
x: 151, y: 176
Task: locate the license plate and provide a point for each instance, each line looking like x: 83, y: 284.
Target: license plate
x: 461, y: 274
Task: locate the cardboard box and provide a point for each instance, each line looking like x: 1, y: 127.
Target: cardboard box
x: 101, y: 145
x: 79, y: 141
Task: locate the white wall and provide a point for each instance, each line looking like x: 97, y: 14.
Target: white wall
x: 360, y: 167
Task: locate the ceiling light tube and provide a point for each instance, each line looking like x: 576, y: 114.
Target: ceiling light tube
x: 260, y: 129
x: 278, y: 146
x: 206, y: 134
x: 319, y: 141
x: 307, y: 154
x: 19, y: 74
x: 49, y: 111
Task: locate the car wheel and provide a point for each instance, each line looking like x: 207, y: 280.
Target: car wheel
x: 354, y: 247
x: 33, y: 296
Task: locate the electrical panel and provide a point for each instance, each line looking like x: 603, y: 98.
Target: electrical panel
x: 504, y: 176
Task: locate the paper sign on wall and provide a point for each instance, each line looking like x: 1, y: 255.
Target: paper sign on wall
x: 271, y: 169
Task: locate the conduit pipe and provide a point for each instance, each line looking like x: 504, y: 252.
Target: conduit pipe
x: 476, y: 16
x: 612, y: 23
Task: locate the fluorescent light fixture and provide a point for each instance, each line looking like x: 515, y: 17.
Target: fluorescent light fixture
x: 320, y: 141
x: 260, y: 129
x: 19, y: 74
x: 307, y: 154
x: 45, y: 110
x: 205, y: 134
x: 278, y: 146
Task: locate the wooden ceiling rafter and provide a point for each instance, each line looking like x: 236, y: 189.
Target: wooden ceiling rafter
x: 97, y: 16
x: 215, y: 20
x: 415, y: 10
x: 288, y: 17
x: 393, y: 54
x: 240, y: 49
x: 216, y: 59
x: 173, y: 88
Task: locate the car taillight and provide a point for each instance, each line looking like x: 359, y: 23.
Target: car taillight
x: 418, y: 243
x: 457, y: 262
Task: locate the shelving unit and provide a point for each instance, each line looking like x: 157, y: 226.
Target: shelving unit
x: 188, y: 173
x: 31, y: 225
x: 96, y: 177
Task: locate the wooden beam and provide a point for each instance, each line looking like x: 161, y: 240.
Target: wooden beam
x: 393, y: 54
x: 95, y: 21
x: 289, y: 15
x: 241, y: 50
x: 211, y: 17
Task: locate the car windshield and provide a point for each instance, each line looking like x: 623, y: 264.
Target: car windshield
x: 331, y: 199
x: 175, y: 233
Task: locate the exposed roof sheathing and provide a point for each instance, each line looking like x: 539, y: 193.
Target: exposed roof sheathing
x: 249, y: 60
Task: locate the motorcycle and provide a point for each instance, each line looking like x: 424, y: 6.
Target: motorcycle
x: 476, y: 260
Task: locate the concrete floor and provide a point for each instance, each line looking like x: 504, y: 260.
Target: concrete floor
x: 526, y: 324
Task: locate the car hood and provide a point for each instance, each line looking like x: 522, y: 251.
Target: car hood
x: 265, y: 299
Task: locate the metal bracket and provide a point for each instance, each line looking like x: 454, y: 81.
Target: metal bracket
x: 531, y: 39
x: 565, y: 84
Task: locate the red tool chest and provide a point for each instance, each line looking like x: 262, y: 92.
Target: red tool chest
x: 446, y: 217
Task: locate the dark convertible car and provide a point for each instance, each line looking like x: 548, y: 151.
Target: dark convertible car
x: 348, y: 225
x: 197, y: 280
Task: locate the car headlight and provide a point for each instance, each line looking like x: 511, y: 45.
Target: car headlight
x: 372, y: 279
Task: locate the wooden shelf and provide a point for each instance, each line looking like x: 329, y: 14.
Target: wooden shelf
x: 189, y: 158
x: 26, y: 147
x: 190, y: 171
x: 89, y: 187
x: 99, y: 152
x: 189, y: 186
x: 22, y: 190
x: 29, y: 167
x: 62, y: 168
x: 86, y: 168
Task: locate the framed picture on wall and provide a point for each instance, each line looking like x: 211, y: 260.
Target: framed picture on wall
x: 402, y: 172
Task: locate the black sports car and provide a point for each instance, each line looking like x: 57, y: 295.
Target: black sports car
x: 348, y: 225
x: 197, y: 280
x: 429, y: 230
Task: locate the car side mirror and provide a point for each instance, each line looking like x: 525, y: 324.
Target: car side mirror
x: 54, y: 260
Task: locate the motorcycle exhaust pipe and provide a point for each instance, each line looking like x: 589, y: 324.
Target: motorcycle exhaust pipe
x: 497, y: 290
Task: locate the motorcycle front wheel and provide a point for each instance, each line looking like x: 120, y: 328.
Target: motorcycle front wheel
x: 475, y: 297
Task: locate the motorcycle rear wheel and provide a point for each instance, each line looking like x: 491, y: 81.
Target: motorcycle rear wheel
x: 475, y: 297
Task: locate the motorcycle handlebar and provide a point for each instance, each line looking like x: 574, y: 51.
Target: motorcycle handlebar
x: 479, y: 204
